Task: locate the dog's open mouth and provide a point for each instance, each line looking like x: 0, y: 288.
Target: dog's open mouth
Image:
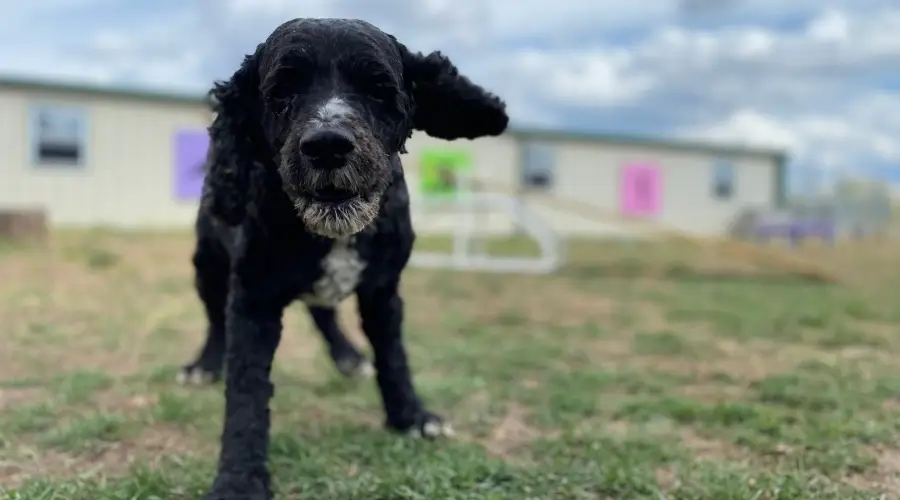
x: 336, y: 212
x: 333, y: 195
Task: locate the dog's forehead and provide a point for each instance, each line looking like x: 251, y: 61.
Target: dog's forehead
x: 330, y: 37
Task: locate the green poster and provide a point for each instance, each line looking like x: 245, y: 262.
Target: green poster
x: 438, y: 170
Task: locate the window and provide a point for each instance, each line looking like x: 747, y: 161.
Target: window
x: 723, y: 180
x: 538, y: 163
x: 58, y: 136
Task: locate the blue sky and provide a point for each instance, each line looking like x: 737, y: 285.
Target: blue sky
x: 817, y: 77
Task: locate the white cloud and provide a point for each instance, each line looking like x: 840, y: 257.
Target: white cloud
x: 830, y: 25
x: 531, y: 18
x: 748, y: 127
x: 815, y: 91
x: 735, y: 72
x: 845, y: 143
x: 598, y: 77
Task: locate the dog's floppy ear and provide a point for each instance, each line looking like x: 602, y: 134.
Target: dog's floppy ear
x: 447, y: 105
x: 235, y: 168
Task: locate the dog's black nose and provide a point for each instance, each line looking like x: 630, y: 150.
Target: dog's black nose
x: 326, y: 144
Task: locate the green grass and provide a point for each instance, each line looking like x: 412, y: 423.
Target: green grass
x: 640, y: 371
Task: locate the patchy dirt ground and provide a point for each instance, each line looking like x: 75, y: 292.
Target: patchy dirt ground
x: 639, y: 371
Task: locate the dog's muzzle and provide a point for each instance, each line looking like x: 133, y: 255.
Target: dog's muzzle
x: 333, y: 199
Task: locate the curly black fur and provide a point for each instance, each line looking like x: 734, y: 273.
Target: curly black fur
x: 265, y: 237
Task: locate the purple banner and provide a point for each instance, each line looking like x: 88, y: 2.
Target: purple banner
x: 190, y: 154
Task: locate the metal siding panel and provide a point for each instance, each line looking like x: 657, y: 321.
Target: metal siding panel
x: 127, y: 179
x: 590, y: 174
x: 14, y: 149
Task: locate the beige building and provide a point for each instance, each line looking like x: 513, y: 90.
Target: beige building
x: 95, y: 156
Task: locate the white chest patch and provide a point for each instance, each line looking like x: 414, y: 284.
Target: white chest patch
x: 341, y: 272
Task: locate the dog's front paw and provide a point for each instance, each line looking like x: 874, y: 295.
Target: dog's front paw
x: 426, y: 425
x: 197, y: 374
x: 228, y: 495
x: 353, y: 366
x: 232, y: 489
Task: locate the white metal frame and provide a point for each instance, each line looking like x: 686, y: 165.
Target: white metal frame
x: 469, y: 254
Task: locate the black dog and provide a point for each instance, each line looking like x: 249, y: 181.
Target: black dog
x: 305, y: 199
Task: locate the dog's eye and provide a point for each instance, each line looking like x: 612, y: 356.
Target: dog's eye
x: 286, y: 84
x: 372, y: 81
x: 280, y: 91
x: 382, y: 92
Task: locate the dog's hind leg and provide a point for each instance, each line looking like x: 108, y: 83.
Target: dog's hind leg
x: 212, y: 268
x: 346, y: 357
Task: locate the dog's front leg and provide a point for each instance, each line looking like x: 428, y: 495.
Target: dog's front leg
x: 381, y: 310
x: 253, y: 330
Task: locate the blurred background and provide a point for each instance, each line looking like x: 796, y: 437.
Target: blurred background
x: 792, y: 105
x: 680, y: 257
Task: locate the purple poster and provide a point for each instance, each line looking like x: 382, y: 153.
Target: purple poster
x: 190, y: 154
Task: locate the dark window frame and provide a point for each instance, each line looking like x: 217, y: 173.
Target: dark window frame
x: 58, y: 136
x: 723, y: 180
x: 538, y: 166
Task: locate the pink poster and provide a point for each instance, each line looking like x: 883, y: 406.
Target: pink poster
x: 640, y: 190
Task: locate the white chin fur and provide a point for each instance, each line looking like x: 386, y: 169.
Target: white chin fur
x: 337, y: 221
